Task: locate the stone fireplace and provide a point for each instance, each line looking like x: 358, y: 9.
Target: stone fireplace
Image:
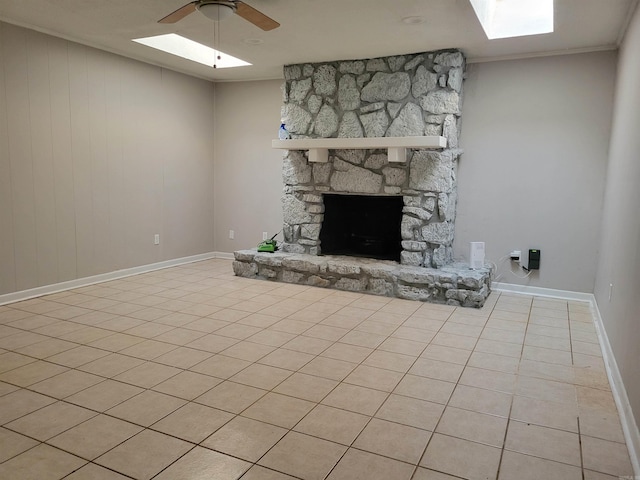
x: 406, y: 96
x: 402, y: 96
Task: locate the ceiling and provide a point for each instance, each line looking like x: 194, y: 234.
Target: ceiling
x: 316, y: 30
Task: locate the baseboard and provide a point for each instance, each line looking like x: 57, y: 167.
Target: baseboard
x: 543, y: 292
x: 629, y: 425
x: 224, y: 255
x: 105, y: 277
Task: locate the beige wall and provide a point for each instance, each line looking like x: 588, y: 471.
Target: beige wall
x: 248, y: 172
x: 535, y: 135
x: 97, y: 154
x: 620, y: 246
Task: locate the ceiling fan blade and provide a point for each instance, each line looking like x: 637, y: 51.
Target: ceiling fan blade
x: 252, y: 15
x: 180, y: 13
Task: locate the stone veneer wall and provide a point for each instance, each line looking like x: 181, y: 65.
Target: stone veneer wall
x: 407, y: 95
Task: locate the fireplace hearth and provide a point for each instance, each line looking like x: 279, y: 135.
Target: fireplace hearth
x: 455, y: 284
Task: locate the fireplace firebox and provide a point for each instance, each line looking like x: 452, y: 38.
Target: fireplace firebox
x: 362, y: 226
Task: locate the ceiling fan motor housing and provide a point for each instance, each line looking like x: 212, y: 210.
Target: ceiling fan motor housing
x: 217, y: 10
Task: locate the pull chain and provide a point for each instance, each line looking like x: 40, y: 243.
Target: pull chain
x: 216, y: 43
x: 218, y: 49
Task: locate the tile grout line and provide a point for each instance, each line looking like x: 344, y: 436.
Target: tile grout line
x: 424, y: 452
x: 506, y: 432
x: 576, y: 392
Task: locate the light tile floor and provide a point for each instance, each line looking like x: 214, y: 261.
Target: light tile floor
x: 190, y: 372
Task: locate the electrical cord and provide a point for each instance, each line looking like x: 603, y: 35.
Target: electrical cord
x: 502, y: 259
x: 495, y: 268
x: 521, y: 276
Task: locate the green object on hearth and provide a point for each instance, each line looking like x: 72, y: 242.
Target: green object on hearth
x: 269, y: 245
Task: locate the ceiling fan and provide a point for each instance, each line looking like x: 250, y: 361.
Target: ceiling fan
x: 221, y: 9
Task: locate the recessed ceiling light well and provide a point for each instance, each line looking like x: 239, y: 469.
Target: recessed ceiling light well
x: 413, y: 20
x: 194, y: 51
x: 514, y: 18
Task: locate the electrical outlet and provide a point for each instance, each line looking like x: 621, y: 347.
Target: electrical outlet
x: 264, y: 235
x: 232, y: 234
x: 156, y: 239
x: 515, y: 255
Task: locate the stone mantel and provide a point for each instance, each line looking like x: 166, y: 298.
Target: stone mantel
x: 396, y: 146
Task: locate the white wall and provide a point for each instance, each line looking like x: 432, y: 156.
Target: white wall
x: 620, y: 244
x: 535, y: 136
x: 248, y: 172
x: 97, y: 154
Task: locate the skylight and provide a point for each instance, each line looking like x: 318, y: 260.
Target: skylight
x: 194, y: 51
x: 514, y: 18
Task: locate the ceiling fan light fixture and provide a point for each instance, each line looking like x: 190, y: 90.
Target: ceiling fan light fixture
x: 217, y: 11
